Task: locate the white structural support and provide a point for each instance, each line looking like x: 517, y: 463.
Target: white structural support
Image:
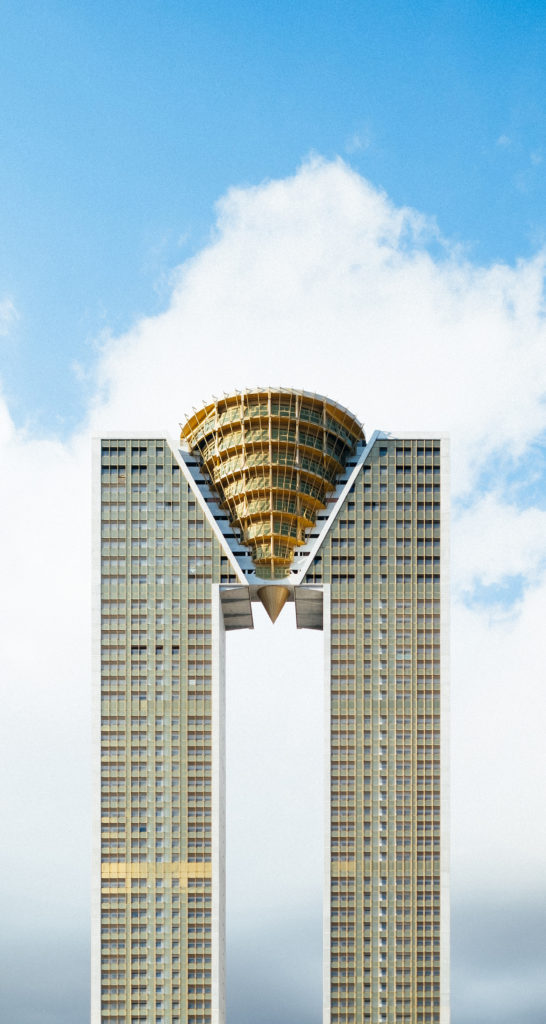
x: 445, y: 789
x: 218, y: 937
x: 326, y: 893
x: 325, y: 521
x: 96, y: 735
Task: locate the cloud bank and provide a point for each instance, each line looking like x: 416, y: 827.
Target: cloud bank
x: 316, y: 281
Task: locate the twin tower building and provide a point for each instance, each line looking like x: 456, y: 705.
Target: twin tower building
x: 271, y: 495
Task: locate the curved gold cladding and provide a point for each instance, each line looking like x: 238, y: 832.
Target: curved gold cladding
x: 273, y: 455
x: 274, y: 600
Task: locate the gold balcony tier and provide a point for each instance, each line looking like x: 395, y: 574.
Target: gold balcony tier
x: 273, y: 455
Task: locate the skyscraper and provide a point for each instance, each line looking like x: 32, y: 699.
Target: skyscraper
x: 271, y: 495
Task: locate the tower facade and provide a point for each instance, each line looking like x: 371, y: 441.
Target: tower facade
x: 271, y: 495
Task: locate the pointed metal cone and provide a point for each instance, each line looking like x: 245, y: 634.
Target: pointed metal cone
x: 273, y: 600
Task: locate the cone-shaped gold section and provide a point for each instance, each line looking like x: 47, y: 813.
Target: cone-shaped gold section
x: 273, y: 600
x: 273, y: 455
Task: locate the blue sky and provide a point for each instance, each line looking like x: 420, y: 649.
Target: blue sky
x: 343, y: 197
x: 123, y: 123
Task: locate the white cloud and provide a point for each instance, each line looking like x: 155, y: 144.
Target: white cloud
x: 44, y: 677
x: 316, y: 281
x: 499, y: 761
x: 494, y: 540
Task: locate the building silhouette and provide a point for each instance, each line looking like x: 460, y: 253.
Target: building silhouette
x: 271, y: 495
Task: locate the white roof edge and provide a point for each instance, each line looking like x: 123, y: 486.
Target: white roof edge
x: 378, y: 435
x: 417, y: 435
x: 132, y: 435
x: 146, y: 435
x: 328, y: 524
x: 205, y: 507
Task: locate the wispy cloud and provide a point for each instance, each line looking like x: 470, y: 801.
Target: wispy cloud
x: 359, y: 141
x: 8, y: 316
